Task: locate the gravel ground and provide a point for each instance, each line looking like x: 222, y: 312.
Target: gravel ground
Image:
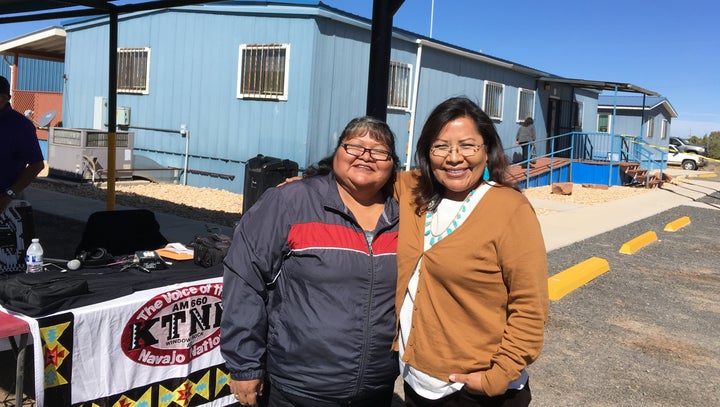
x: 224, y: 207
x: 203, y: 204
x: 581, y: 195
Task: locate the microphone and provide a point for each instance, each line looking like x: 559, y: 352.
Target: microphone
x: 74, y: 264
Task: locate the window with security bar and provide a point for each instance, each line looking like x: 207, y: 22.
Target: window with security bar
x: 263, y: 71
x: 493, y: 103
x: 399, y: 86
x: 133, y: 70
x: 526, y: 104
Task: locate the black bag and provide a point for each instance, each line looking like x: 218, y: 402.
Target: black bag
x: 16, y: 232
x: 210, y: 249
x: 40, y: 293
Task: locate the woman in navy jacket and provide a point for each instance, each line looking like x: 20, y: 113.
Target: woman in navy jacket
x: 310, y: 278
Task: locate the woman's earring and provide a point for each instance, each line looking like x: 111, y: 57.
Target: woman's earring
x: 486, y: 174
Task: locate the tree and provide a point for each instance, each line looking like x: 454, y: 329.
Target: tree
x: 712, y: 141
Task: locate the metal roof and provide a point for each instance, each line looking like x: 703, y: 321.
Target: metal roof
x: 48, y: 43
x: 635, y: 102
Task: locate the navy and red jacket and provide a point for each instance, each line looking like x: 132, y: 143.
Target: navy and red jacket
x: 306, y: 299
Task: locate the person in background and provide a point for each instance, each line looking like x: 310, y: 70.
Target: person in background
x: 309, y: 282
x: 472, y: 296
x: 21, y: 159
x: 525, y: 135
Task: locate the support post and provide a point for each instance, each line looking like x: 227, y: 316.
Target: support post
x: 112, y: 108
x: 380, y: 46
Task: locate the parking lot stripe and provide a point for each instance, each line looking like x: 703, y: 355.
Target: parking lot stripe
x: 576, y: 276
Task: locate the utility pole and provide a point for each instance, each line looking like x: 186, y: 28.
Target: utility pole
x: 432, y: 16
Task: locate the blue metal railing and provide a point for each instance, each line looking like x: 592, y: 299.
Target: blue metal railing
x: 553, y: 154
x: 596, y: 147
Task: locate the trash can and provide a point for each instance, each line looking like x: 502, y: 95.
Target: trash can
x: 263, y: 172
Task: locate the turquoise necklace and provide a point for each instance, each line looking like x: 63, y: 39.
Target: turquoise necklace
x: 451, y: 226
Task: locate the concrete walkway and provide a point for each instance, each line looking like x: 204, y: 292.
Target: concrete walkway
x: 570, y: 223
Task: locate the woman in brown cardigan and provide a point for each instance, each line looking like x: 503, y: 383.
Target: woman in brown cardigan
x: 472, y: 295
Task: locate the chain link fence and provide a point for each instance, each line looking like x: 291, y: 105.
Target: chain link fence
x: 35, y: 104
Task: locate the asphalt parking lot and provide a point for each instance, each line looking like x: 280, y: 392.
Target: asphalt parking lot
x: 646, y: 332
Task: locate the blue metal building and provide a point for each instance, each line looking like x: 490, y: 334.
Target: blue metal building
x: 282, y: 79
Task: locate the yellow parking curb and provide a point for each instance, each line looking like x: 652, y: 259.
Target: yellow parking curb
x: 677, y: 224
x: 634, y: 245
x: 708, y: 175
x: 570, y: 279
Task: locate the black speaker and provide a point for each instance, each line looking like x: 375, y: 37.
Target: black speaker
x: 261, y: 173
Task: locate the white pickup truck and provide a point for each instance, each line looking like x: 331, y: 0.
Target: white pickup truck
x: 687, y: 161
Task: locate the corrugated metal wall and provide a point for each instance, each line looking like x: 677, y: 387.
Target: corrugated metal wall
x: 337, y: 85
x: 193, y: 81
x: 443, y: 75
x: 37, y: 74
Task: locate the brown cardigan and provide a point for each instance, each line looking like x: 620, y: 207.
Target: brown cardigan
x: 482, y: 298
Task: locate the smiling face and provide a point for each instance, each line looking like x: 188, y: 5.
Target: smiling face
x: 362, y: 177
x: 458, y: 174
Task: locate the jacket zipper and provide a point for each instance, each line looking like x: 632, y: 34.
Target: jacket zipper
x: 366, y: 330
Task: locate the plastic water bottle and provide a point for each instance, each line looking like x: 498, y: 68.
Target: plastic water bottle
x: 34, y: 257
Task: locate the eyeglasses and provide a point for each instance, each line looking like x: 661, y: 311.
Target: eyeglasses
x: 375, y: 153
x: 465, y: 150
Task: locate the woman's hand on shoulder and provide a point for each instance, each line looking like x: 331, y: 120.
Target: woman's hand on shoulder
x: 289, y: 180
x: 472, y: 381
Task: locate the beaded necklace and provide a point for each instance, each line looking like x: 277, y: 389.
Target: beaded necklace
x: 451, y: 226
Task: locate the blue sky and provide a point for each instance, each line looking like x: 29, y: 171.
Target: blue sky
x: 665, y: 46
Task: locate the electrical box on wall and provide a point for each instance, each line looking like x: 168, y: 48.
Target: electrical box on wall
x: 122, y: 116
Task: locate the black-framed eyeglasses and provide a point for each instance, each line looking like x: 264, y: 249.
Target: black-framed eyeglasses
x: 465, y: 150
x: 375, y: 153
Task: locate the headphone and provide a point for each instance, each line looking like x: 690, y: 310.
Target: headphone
x: 91, y: 258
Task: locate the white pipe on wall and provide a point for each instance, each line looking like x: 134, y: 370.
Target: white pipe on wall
x: 413, y: 109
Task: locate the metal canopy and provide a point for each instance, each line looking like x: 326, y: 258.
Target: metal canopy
x: 16, y: 11
x: 36, y: 6
x: 602, y: 85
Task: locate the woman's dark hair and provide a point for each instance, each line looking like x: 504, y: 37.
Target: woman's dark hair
x: 429, y: 190
x: 378, y: 130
